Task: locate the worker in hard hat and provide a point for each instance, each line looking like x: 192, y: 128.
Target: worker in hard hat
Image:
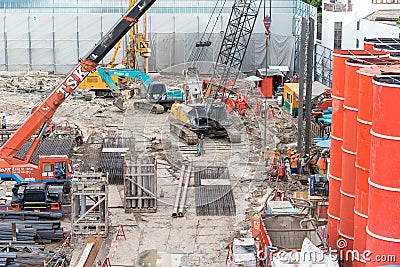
x: 313, y: 165
x: 322, y: 164
x: 304, y: 160
x: 293, y: 162
x: 275, y: 156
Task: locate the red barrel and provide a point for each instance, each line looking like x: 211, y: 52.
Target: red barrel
x: 384, y: 186
x: 364, y: 122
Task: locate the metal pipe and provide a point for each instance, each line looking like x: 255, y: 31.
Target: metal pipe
x: 185, y: 189
x: 178, y: 193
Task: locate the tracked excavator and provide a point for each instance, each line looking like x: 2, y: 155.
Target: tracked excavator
x: 47, y: 170
x: 206, y: 113
x: 158, y: 96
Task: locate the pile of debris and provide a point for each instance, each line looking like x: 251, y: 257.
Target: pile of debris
x: 32, y: 81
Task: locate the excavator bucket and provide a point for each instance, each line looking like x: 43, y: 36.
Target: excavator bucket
x: 119, y: 102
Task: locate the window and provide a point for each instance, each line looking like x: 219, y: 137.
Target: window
x: 357, y: 43
x: 289, y: 98
x: 337, y: 41
x: 48, y: 167
x: 358, y: 25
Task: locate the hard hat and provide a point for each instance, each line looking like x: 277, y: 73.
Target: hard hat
x: 256, y: 216
x: 288, y: 148
x: 295, y: 151
x: 275, y: 149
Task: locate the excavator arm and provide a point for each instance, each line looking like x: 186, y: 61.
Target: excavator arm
x: 119, y: 99
x: 45, y: 111
x: 106, y: 74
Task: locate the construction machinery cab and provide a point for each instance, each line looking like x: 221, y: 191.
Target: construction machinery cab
x: 57, y: 169
x: 36, y: 196
x: 158, y: 93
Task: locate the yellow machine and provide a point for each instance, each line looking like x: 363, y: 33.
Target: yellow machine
x: 138, y: 46
x: 189, y: 121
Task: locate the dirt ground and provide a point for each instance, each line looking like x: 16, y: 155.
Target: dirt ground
x: 188, y: 241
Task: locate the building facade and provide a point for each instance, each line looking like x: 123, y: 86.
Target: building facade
x: 345, y: 23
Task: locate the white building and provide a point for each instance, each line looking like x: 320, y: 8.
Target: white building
x: 345, y: 23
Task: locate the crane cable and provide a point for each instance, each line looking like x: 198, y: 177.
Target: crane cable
x: 201, y: 52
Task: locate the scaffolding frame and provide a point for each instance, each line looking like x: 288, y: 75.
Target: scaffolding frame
x: 323, y: 65
x: 89, y: 205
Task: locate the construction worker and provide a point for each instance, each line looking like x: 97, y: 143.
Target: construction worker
x: 322, y: 164
x: 304, y: 160
x: 78, y: 136
x: 288, y: 154
x: 275, y: 156
x: 266, y: 156
x: 200, y: 146
x: 4, y: 123
x: 313, y: 165
x: 293, y: 162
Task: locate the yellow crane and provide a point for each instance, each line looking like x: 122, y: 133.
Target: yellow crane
x: 137, y: 46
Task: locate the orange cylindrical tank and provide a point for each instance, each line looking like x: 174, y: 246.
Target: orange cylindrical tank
x: 384, y: 188
x: 338, y: 66
x: 368, y: 45
x: 364, y: 122
x: 338, y: 97
x: 333, y: 209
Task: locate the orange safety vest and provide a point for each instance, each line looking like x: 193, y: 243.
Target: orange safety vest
x: 293, y: 161
x: 322, y: 163
x: 266, y: 154
x: 289, y: 153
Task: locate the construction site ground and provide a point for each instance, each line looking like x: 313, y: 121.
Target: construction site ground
x: 157, y: 237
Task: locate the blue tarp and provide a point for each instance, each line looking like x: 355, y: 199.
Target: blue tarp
x: 324, y: 144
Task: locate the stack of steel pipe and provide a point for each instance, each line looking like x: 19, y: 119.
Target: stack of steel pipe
x: 364, y: 122
x: 384, y: 186
x: 7, y: 260
x: 42, y: 224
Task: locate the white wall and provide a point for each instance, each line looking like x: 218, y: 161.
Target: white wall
x: 373, y: 29
x: 349, y: 27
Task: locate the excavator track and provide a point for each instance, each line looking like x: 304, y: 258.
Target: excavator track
x: 145, y: 105
x: 184, y: 133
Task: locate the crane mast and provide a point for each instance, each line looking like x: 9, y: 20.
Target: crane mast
x: 233, y: 48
